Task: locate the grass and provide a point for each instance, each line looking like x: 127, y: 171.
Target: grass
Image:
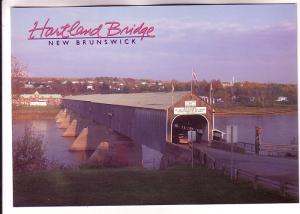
x: 35, y: 112
x: 246, y: 110
x: 89, y: 187
x: 40, y: 108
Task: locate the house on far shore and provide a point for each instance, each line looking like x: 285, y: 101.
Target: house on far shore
x: 37, y: 99
x: 281, y: 99
x: 90, y: 87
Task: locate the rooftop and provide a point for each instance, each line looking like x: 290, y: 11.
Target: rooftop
x: 158, y: 100
x: 37, y: 94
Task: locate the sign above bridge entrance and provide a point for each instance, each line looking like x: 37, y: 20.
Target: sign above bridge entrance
x: 190, y: 103
x: 189, y: 110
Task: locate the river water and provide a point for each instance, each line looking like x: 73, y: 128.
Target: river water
x: 57, y: 147
x: 276, y: 129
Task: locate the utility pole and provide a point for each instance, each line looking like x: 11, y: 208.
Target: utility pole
x: 192, y: 154
x: 191, y: 139
x: 231, y: 153
x: 231, y: 131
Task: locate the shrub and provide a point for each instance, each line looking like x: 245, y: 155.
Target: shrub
x: 29, y: 152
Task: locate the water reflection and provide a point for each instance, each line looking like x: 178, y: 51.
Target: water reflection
x: 117, y: 155
x: 151, y: 158
x: 276, y: 129
x: 121, y: 154
x: 57, y: 147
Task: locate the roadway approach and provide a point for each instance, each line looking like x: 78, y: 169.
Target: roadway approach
x: 275, y: 168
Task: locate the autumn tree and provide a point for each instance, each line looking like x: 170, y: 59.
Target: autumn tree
x: 18, y: 73
x: 29, y: 152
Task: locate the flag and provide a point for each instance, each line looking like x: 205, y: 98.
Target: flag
x: 194, y: 75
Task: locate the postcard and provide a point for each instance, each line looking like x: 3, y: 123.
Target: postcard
x: 164, y: 104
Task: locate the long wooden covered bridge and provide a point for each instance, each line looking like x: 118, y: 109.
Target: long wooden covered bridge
x: 151, y: 119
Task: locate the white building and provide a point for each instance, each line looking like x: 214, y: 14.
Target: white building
x: 281, y: 99
x: 90, y: 87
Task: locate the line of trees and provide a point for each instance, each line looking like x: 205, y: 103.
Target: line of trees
x: 241, y: 93
x: 245, y: 93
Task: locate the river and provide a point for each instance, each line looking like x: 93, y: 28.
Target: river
x: 276, y: 129
x: 57, y: 147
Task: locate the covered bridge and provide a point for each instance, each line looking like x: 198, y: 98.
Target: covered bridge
x: 151, y: 119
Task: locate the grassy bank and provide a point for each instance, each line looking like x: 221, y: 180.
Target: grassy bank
x: 35, y: 112
x: 133, y: 187
x: 245, y: 110
x: 49, y: 112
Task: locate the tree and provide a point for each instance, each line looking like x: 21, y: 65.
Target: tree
x: 18, y: 72
x: 29, y: 152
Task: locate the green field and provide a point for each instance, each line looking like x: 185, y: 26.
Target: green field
x: 134, y: 186
x: 35, y: 112
x: 247, y: 110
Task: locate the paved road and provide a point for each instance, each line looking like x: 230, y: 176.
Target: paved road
x: 272, y: 167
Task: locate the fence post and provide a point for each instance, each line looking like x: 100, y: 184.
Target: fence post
x: 223, y: 169
x: 236, y: 175
x: 255, y: 182
x: 204, y: 159
x: 201, y: 158
x: 283, y: 188
x: 195, y: 155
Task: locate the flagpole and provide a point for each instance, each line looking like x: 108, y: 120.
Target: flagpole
x: 172, y: 93
x: 192, y: 82
x: 210, y: 89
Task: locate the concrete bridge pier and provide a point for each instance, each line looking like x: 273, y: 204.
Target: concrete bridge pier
x: 71, y: 130
x: 59, y: 114
x: 60, y: 117
x: 65, y: 122
x: 76, y: 126
x: 89, y: 138
x: 100, y: 153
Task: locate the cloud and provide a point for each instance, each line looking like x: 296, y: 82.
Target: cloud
x: 182, y: 28
x: 219, y: 49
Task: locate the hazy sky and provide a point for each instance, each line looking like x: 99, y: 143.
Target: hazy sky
x: 250, y: 42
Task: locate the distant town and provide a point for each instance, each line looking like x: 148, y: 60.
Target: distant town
x: 43, y: 91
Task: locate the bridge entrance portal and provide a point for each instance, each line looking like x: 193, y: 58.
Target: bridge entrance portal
x: 183, y: 123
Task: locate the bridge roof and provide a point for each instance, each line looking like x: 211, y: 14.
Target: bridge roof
x: 157, y: 100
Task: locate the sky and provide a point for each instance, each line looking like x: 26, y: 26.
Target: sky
x: 248, y: 42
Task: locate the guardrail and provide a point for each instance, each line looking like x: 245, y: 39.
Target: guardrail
x: 278, y: 149
x: 248, y: 147
x: 269, y: 149
x: 285, y: 188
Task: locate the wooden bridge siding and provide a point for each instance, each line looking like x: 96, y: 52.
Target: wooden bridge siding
x: 181, y: 103
x: 150, y: 128
x: 144, y: 126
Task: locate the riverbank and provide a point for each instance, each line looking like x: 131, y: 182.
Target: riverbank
x: 134, y: 186
x: 49, y: 112
x: 244, y: 110
x: 35, y: 112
